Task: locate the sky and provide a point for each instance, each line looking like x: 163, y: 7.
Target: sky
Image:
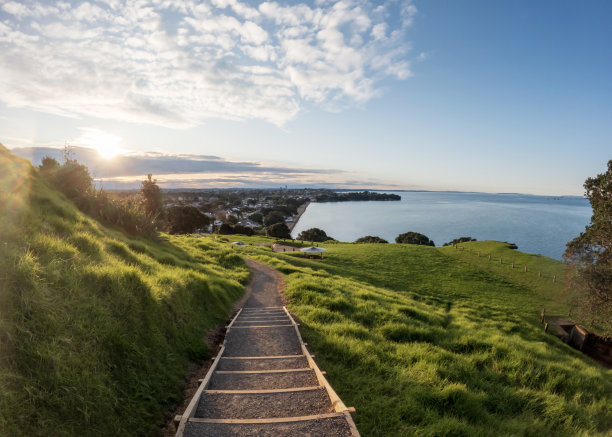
x: 479, y: 95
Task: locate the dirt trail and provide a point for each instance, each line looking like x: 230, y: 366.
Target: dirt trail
x: 265, y: 383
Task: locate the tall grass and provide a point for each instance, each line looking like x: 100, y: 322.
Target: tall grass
x: 97, y: 328
x: 423, y: 342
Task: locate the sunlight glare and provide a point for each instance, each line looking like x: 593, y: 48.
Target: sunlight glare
x: 105, y: 143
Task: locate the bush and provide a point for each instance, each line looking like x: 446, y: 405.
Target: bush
x: 274, y: 217
x: 459, y: 240
x: 414, y: 238
x: 185, y: 219
x: 370, y: 239
x: 278, y: 230
x: 315, y: 235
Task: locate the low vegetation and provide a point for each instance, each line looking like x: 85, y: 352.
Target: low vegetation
x: 370, y: 239
x: 314, y: 235
x: 414, y: 238
x: 443, y: 341
x: 96, y: 327
x: 459, y: 240
x: 591, y: 253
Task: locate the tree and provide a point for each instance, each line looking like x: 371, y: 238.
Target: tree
x: 74, y: 180
x: 48, y: 165
x: 370, y: 239
x: 152, y: 196
x: 257, y: 217
x: 459, y: 240
x: 185, y: 219
x: 414, y: 238
x: 278, y: 230
x: 274, y: 217
x: 314, y: 234
x: 591, y: 252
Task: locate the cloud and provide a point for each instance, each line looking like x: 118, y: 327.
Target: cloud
x: 139, y: 165
x: 177, y: 63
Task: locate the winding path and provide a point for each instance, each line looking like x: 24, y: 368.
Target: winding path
x: 264, y: 382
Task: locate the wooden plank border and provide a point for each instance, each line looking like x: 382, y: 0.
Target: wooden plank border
x: 269, y: 420
x: 337, y: 403
x: 193, y: 405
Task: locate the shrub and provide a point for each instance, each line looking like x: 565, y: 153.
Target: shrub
x: 414, y: 238
x: 370, y: 239
x: 185, y: 219
x: 278, y: 230
x: 459, y: 240
x: 314, y: 234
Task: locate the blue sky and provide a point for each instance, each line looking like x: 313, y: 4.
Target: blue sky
x: 494, y: 96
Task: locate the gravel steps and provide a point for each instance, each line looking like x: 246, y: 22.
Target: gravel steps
x: 299, y: 362
x: 264, y: 381
x: 262, y: 384
x: 257, y: 342
x: 264, y: 405
x: 328, y: 427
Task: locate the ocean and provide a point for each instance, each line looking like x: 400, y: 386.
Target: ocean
x: 536, y: 224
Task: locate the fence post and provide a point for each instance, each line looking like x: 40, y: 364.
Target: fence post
x: 525, y: 268
x: 539, y: 274
x: 542, y: 315
x: 554, y: 278
x: 489, y: 257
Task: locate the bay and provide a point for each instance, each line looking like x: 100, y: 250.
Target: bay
x: 537, y: 224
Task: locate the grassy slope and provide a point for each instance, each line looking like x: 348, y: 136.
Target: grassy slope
x: 427, y: 341
x: 96, y: 328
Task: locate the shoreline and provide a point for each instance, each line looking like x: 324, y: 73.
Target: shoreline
x: 301, y: 210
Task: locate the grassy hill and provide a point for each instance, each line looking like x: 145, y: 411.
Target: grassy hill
x: 441, y: 342
x: 97, y: 328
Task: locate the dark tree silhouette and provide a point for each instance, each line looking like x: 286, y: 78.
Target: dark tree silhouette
x: 152, y: 196
x: 591, y: 252
x: 414, y: 238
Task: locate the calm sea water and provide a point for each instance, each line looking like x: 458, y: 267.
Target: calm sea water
x: 537, y: 224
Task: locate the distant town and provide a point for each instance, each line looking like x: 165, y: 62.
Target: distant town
x: 256, y: 208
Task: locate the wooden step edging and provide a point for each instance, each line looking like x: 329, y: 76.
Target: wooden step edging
x: 272, y: 357
x: 252, y: 372
x: 261, y: 391
x: 193, y: 404
x: 268, y: 420
x: 337, y: 403
x: 259, y: 326
x: 341, y: 410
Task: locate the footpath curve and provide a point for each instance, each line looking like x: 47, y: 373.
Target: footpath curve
x: 264, y: 382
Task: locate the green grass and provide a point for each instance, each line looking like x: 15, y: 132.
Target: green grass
x: 432, y: 342
x: 97, y: 328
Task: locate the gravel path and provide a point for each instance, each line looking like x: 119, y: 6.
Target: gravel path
x: 263, y: 375
x: 328, y: 427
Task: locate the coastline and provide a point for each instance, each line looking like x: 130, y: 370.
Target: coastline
x: 301, y: 211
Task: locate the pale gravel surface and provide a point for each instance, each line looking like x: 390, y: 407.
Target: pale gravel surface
x: 329, y: 427
x: 264, y: 405
x: 263, y: 381
x: 264, y: 291
x: 259, y: 342
x: 266, y: 364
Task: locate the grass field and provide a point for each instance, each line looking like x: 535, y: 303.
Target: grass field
x: 97, y: 328
x: 433, y: 342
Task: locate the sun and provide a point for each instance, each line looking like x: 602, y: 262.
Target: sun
x: 105, y: 143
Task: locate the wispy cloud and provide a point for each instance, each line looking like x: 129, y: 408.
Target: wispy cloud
x: 199, y: 171
x: 176, y: 62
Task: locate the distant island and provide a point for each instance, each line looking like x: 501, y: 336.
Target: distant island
x: 355, y: 196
